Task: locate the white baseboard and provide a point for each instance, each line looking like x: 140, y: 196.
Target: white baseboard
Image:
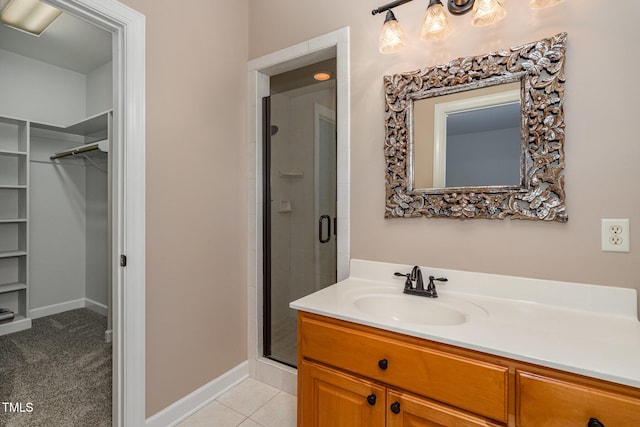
x: 48, y: 310
x: 190, y: 404
x: 96, y: 306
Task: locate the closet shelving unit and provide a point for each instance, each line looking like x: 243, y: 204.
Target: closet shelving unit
x: 15, y: 141
x: 14, y: 214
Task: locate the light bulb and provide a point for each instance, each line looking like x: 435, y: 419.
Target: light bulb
x: 435, y: 24
x: 391, y: 36
x: 487, y: 12
x: 541, y: 4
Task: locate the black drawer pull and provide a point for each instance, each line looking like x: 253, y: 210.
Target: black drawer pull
x: 593, y: 422
x: 383, y: 364
x: 395, y: 407
x: 371, y: 399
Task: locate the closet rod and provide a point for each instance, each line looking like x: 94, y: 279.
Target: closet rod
x: 99, y: 145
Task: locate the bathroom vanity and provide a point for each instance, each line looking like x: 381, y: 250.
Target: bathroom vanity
x: 498, y: 351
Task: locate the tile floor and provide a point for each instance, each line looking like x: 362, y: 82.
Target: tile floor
x: 249, y: 404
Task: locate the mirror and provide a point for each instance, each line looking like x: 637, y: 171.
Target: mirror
x: 479, y: 137
x: 468, y: 139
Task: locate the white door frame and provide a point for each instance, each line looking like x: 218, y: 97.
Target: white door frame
x: 335, y: 43
x: 128, y: 210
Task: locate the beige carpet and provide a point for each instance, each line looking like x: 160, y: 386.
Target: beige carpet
x: 58, y: 373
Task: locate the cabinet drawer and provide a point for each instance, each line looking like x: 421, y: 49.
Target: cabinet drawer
x: 475, y: 386
x: 548, y: 402
x: 414, y: 411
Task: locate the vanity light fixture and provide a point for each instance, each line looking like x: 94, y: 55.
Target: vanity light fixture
x: 391, y: 36
x: 30, y: 16
x: 435, y: 24
x: 541, y: 4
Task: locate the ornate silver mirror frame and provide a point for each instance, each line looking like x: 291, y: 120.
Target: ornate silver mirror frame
x: 539, y: 66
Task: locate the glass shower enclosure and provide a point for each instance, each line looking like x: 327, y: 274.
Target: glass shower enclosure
x: 299, y: 252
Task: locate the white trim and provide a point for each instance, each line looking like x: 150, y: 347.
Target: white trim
x: 336, y: 44
x: 128, y: 207
x: 193, y: 402
x: 96, y: 307
x: 440, y: 112
x: 49, y: 310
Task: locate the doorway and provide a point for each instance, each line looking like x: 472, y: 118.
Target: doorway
x: 300, y: 193
x: 128, y: 41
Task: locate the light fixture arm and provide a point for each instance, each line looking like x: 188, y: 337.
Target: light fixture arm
x: 456, y: 7
x: 389, y: 6
x: 459, y: 7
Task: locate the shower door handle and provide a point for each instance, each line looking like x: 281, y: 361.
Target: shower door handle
x: 320, y: 222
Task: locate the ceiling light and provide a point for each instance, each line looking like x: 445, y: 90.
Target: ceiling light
x: 391, y: 36
x: 435, y: 24
x: 322, y: 76
x: 31, y: 16
x: 541, y: 4
x: 487, y: 12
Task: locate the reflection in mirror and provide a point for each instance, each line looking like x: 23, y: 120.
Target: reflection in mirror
x: 534, y: 187
x: 468, y: 139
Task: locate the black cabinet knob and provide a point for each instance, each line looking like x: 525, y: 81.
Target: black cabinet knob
x: 371, y: 399
x: 383, y: 364
x: 593, y: 422
x: 395, y: 407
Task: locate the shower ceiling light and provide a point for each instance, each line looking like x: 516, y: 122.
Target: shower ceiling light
x: 435, y: 23
x: 31, y: 16
x: 322, y: 76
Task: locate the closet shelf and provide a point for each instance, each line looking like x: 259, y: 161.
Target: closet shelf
x: 19, y: 323
x: 12, y: 287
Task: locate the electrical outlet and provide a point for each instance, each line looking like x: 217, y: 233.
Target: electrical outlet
x: 615, y: 235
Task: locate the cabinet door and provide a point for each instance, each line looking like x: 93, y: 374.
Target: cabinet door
x: 406, y: 410
x: 548, y: 402
x: 329, y: 398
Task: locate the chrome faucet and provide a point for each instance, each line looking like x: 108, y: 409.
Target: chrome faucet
x: 416, y: 276
x: 418, y: 289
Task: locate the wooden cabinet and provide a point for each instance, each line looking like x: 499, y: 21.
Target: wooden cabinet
x: 428, y: 384
x: 407, y: 410
x: 548, y: 401
x: 337, y: 399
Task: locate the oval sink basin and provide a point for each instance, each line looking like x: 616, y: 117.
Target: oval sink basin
x: 410, y: 309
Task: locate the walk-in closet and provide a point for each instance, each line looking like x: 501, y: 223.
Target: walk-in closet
x: 56, y: 142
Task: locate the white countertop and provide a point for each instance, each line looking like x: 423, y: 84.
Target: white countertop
x: 580, y: 328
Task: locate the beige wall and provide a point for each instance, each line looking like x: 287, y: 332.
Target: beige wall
x: 196, y: 193
x: 196, y: 163
x: 602, y: 147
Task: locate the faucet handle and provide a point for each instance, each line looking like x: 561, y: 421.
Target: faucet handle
x: 431, y: 287
x: 407, y: 283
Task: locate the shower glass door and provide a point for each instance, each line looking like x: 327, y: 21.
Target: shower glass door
x: 300, y: 205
